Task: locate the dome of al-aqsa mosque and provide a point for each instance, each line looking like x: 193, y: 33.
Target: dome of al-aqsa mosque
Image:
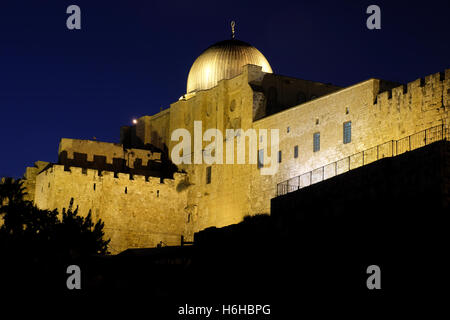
x: 223, y: 60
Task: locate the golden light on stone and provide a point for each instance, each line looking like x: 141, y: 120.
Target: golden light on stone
x: 223, y: 60
x: 143, y: 208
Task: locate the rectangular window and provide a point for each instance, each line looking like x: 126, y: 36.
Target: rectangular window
x: 347, y: 132
x: 316, y: 143
x: 296, y: 152
x: 260, y: 158
x: 279, y: 156
x: 208, y: 175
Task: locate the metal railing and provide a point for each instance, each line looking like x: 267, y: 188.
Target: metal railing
x: 388, y: 149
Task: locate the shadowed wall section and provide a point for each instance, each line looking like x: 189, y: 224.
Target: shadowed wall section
x: 137, y: 212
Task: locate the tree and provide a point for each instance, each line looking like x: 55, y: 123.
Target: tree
x: 11, y: 190
x: 36, y: 245
x: 80, y: 234
x: 27, y: 227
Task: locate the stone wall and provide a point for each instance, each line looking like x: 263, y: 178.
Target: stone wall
x: 281, y: 92
x: 108, y: 150
x: 378, y: 110
x: 29, y: 178
x: 412, y: 186
x: 154, y: 129
x: 375, y: 118
x: 137, y: 212
x: 113, y: 157
x: 226, y: 199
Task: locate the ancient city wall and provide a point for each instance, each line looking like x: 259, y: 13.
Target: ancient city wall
x: 29, y: 181
x: 225, y: 200
x: 378, y: 112
x: 137, y: 212
x: 109, y: 151
x: 404, y: 110
x: 414, y: 185
x: 375, y: 119
x: 280, y: 93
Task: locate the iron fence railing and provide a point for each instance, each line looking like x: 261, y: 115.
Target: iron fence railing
x: 388, y: 149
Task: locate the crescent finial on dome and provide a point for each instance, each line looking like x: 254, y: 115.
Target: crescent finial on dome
x: 233, y: 24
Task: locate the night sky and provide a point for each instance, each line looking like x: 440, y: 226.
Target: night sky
x: 132, y: 57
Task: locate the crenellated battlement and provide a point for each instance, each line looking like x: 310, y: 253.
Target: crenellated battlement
x: 137, y: 210
x: 144, y: 200
x: 104, y: 153
x: 428, y: 92
x: 104, y: 156
x: 109, y: 175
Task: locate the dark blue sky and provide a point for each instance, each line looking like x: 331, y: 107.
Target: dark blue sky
x: 132, y: 57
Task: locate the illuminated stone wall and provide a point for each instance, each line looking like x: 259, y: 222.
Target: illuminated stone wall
x: 110, y: 151
x: 379, y: 111
x: 154, y: 129
x: 375, y: 119
x: 137, y: 213
x: 29, y: 181
x: 390, y: 193
x: 232, y: 104
x: 226, y: 199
